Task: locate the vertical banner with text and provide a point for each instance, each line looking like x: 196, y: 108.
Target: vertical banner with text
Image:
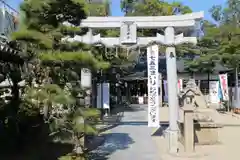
x: 180, y: 85
x: 153, y: 84
x: 223, y: 78
x: 214, y: 92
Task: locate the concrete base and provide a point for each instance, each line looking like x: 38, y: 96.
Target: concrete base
x: 206, y: 133
x: 172, y: 138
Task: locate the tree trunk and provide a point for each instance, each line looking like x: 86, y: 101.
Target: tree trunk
x: 15, y: 102
x: 208, y: 79
x: 15, y: 92
x: 192, y: 75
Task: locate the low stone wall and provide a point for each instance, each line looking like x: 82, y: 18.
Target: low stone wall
x: 205, y: 133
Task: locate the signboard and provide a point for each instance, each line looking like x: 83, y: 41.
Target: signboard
x: 223, y: 79
x: 213, y: 92
x: 128, y: 33
x: 140, y: 100
x: 86, y: 78
x: 153, y: 84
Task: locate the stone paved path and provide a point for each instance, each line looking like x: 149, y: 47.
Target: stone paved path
x: 130, y: 140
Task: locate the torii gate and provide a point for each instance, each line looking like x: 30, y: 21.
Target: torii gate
x: 128, y: 37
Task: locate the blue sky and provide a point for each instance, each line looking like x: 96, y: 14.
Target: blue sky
x: 196, y: 5
x: 13, y: 3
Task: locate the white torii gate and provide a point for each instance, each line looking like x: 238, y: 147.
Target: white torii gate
x: 128, y: 37
x: 129, y: 25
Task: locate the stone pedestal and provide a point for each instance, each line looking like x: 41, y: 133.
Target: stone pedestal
x: 205, y: 133
x: 172, y: 137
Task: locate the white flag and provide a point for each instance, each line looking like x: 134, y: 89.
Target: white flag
x: 153, y: 84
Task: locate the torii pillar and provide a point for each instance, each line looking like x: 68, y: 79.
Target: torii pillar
x: 170, y: 41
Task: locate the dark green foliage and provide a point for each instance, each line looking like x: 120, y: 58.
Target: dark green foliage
x: 221, y: 41
x: 42, y: 30
x: 152, y: 8
x: 52, y: 72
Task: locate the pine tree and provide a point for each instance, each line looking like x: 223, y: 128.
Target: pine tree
x: 206, y: 49
x: 221, y: 40
x: 54, y: 65
x: 220, y: 43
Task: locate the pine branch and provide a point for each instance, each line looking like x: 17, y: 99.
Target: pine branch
x: 31, y: 36
x: 85, y: 58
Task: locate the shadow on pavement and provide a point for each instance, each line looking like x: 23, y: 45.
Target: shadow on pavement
x: 164, y: 124
x: 141, y: 123
x: 133, y: 109
x: 110, y: 122
x: 127, y: 108
x: 160, y: 131
x: 114, y: 142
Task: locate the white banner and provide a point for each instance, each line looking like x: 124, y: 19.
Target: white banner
x: 180, y: 85
x: 213, y: 92
x: 223, y: 78
x: 153, y: 84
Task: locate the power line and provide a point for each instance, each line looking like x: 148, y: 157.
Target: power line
x: 11, y: 8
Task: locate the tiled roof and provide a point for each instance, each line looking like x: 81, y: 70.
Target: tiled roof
x: 181, y: 67
x: 140, y: 70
